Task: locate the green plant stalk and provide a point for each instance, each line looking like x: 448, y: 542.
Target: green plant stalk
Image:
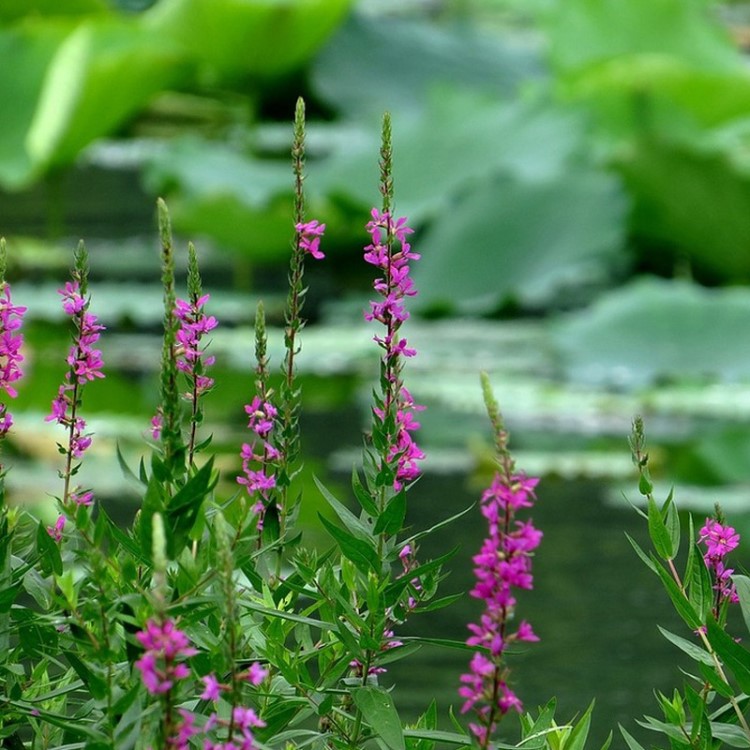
x: 171, y: 437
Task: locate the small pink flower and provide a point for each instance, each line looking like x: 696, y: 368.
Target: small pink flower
x: 56, y: 531
x: 211, y: 688
x: 309, y: 240
x: 256, y: 673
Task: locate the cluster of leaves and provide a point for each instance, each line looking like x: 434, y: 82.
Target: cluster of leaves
x: 712, y: 708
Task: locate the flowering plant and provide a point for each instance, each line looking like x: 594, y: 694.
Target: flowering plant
x: 209, y: 622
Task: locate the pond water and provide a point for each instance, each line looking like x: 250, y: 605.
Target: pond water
x: 594, y: 605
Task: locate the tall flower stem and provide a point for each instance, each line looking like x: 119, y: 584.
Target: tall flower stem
x: 306, y: 240
x: 84, y: 365
x: 503, y: 564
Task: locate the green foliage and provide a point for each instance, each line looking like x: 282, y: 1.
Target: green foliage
x: 701, y: 597
x: 85, y: 74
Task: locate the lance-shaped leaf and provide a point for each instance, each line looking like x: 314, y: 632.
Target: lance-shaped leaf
x: 380, y: 713
x: 735, y: 657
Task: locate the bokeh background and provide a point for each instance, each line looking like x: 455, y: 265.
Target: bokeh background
x: 578, y: 173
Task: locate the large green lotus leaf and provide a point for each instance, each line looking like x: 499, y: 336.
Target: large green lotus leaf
x: 695, y: 202
x: 583, y: 33
x: 103, y: 73
x: 377, y: 63
x: 262, y: 37
x: 460, y: 138
x: 513, y: 239
x: 654, y: 329
x: 27, y: 50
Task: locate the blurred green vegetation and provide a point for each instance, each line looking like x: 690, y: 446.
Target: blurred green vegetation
x: 580, y: 167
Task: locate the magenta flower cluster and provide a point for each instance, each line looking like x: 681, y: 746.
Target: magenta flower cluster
x: 394, y: 286
x: 259, y: 457
x: 502, y: 565
x: 310, y: 234
x: 161, y: 668
x: 85, y: 364
x: 719, y: 541
x: 11, y: 341
x: 194, y: 325
x: 244, y: 720
x: 165, y: 644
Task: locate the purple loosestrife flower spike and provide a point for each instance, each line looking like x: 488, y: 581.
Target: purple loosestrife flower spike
x: 502, y: 565
x: 84, y: 365
x: 390, y: 251
x: 260, y: 458
x: 307, y: 237
x: 193, y: 325
x: 11, y: 341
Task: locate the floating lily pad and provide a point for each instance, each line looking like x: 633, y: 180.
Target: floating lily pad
x: 655, y: 329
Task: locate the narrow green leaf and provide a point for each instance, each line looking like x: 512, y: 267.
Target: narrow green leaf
x: 49, y: 552
x: 183, y: 509
x: 355, y: 526
x: 658, y: 532
x: 712, y: 677
x: 380, y: 713
x: 94, y: 682
x: 699, y: 584
x: 391, y: 520
x: 672, y: 523
x: 731, y: 734
x: 436, y: 735
x: 360, y: 552
x: 734, y: 656
x: 361, y: 493
x: 681, y: 604
x: 577, y: 738
x: 691, y: 649
x: 742, y: 585
x: 639, y: 551
x: 126, y: 470
x: 8, y: 596
x: 632, y: 743
x: 421, y: 534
